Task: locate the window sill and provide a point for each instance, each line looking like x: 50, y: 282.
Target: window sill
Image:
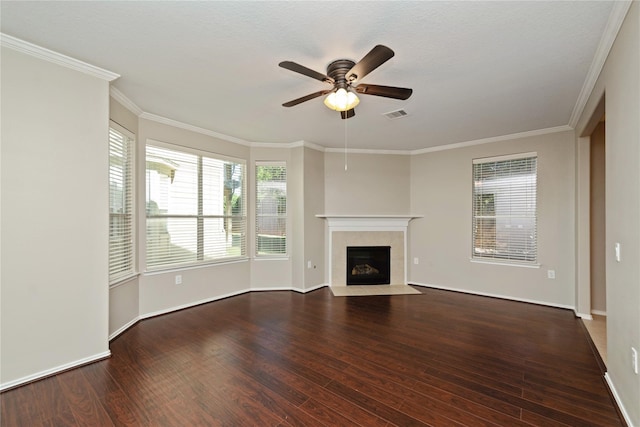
x: 505, y: 263
x: 271, y: 258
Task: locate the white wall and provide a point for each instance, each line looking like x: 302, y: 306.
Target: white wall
x: 55, y: 206
x: 314, y: 228
x: 441, y: 190
x: 619, y: 81
x: 374, y: 184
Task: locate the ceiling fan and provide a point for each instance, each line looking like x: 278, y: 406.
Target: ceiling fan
x: 345, y: 75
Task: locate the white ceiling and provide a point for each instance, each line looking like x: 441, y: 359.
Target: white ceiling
x: 478, y: 69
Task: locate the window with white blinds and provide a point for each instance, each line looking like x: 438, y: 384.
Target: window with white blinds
x: 195, y: 208
x: 121, y: 176
x: 504, y: 208
x: 271, y: 208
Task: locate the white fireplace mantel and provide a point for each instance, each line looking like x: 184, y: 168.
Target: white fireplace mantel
x: 368, y: 227
x: 368, y: 222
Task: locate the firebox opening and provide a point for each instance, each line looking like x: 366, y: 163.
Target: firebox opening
x: 368, y: 265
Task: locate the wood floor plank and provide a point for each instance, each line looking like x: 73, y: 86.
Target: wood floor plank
x: 84, y: 404
x: 572, y: 404
x: 289, y: 359
x: 53, y: 406
x: 271, y: 401
x: 335, y: 402
x: 118, y: 405
x: 421, y: 392
x: 16, y: 408
x: 380, y: 409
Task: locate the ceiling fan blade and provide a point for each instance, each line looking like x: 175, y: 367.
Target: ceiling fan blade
x: 372, y: 60
x: 297, y: 68
x: 306, y: 98
x: 347, y: 114
x: 386, y: 91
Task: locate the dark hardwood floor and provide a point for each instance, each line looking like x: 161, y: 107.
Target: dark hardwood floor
x: 288, y: 359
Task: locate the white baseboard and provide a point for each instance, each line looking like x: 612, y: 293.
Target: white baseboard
x: 588, y: 316
x: 313, y: 288
x: 486, y: 294
x: 192, y: 304
x: 277, y: 288
x: 207, y: 300
x: 583, y: 316
x: 616, y: 396
x: 289, y: 288
x: 124, y: 328
x: 56, y: 370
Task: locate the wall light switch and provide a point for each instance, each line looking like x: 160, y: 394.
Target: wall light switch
x: 551, y: 274
x: 634, y: 360
x: 308, y: 264
x: 179, y: 279
x: 416, y: 261
x: 617, y: 251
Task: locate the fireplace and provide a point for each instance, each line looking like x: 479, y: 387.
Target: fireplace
x: 366, y: 230
x: 368, y: 265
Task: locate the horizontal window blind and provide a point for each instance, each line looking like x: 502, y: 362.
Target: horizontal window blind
x: 271, y: 208
x: 121, y: 243
x: 504, y: 209
x: 195, y: 208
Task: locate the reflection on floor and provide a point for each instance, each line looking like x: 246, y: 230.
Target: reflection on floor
x: 598, y: 330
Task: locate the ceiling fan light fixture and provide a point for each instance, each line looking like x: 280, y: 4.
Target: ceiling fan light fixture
x: 341, y: 100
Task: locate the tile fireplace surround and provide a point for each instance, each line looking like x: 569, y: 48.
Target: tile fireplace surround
x: 367, y: 230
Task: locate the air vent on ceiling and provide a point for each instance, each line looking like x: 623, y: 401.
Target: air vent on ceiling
x: 394, y: 115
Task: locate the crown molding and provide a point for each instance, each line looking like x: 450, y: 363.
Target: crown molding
x: 126, y: 102
x: 307, y: 144
x: 614, y: 23
x: 320, y: 148
x: 186, y: 126
x: 295, y: 144
x: 519, y: 135
x: 55, y: 57
x: 368, y: 151
x: 175, y: 123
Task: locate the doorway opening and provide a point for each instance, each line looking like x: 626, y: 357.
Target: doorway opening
x: 591, y: 290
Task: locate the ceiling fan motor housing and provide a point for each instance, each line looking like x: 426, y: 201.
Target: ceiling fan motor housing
x: 337, y: 70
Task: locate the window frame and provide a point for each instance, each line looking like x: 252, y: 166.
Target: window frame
x: 510, y: 257
x: 285, y: 217
x: 131, y: 272
x: 154, y: 268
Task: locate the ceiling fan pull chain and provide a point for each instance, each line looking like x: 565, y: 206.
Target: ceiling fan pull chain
x: 345, y: 144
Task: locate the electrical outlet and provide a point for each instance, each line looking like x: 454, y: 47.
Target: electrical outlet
x: 634, y: 360
x: 551, y: 274
x: 179, y: 279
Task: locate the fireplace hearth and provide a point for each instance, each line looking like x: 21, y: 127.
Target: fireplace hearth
x: 368, y: 265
